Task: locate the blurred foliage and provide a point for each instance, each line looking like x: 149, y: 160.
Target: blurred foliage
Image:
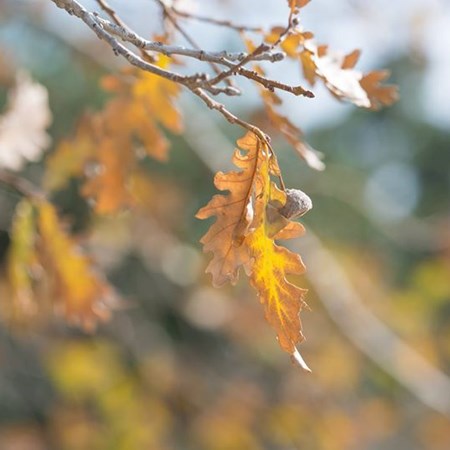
x: 186, y: 366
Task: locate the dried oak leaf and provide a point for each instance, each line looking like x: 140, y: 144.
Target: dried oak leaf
x: 77, y: 290
x: 343, y: 80
x: 69, y: 284
x: 247, y: 222
x: 22, y: 259
x: 106, y: 142
x: 234, y: 213
x: 23, y: 135
x: 271, y: 265
x: 291, y: 132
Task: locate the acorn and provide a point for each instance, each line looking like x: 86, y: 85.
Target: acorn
x: 297, y: 204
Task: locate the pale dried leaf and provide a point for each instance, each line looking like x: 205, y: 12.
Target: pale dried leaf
x: 23, y: 135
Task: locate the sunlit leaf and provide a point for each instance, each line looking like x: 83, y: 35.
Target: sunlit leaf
x: 78, y: 290
x: 243, y: 235
x: 234, y: 213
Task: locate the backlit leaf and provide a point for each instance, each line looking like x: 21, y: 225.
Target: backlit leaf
x: 78, y: 290
x: 234, y: 213
x: 21, y: 259
x: 108, y: 146
x: 238, y: 238
x: 343, y: 80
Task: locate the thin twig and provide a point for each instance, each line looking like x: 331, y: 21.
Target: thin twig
x: 223, y: 57
x: 111, y: 13
x: 74, y: 8
x: 20, y: 185
x: 218, y: 22
x: 168, y: 13
x: 118, y: 21
x: 230, y: 117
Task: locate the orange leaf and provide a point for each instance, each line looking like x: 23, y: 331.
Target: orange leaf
x: 379, y: 95
x: 234, y: 213
x: 243, y: 235
x: 108, y: 139
x: 70, y: 157
x: 297, y: 4
x: 271, y: 265
x: 78, y: 290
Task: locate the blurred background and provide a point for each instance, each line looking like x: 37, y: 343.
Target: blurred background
x: 185, y: 366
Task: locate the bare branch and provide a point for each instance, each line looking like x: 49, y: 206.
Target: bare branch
x: 223, y: 57
x: 199, y: 84
x: 168, y: 12
x: 111, y: 13
x: 218, y: 22
x: 20, y: 185
x: 90, y: 19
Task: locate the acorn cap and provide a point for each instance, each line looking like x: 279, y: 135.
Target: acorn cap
x: 297, y: 204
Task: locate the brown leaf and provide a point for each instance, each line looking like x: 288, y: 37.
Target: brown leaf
x: 379, y: 95
x: 234, y: 213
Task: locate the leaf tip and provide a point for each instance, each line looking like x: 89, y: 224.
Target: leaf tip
x: 297, y: 358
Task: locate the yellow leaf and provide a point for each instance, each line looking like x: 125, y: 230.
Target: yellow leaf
x: 107, y: 140
x: 77, y: 289
x: 238, y: 238
x: 271, y: 265
x: 22, y: 256
x: 70, y: 157
x: 157, y: 94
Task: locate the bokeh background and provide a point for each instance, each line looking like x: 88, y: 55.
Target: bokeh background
x: 182, y: 365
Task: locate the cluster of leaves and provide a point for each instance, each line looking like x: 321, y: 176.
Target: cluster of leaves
x: 46, y: 266
x: 106, y: 151
x: 104, y: 146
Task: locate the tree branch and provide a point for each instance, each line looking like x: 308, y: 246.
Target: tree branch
x: 20, y: 185
x: 218, y: 22
x: 223, y: 57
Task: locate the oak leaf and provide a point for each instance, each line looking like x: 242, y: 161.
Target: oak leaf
x: 22, y: 259
x: 69, y: 283
x: 234, y: 213
x: 104, y: 148
x: 343, y: 80
x: 247, y: 222
x: 78, y: 290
